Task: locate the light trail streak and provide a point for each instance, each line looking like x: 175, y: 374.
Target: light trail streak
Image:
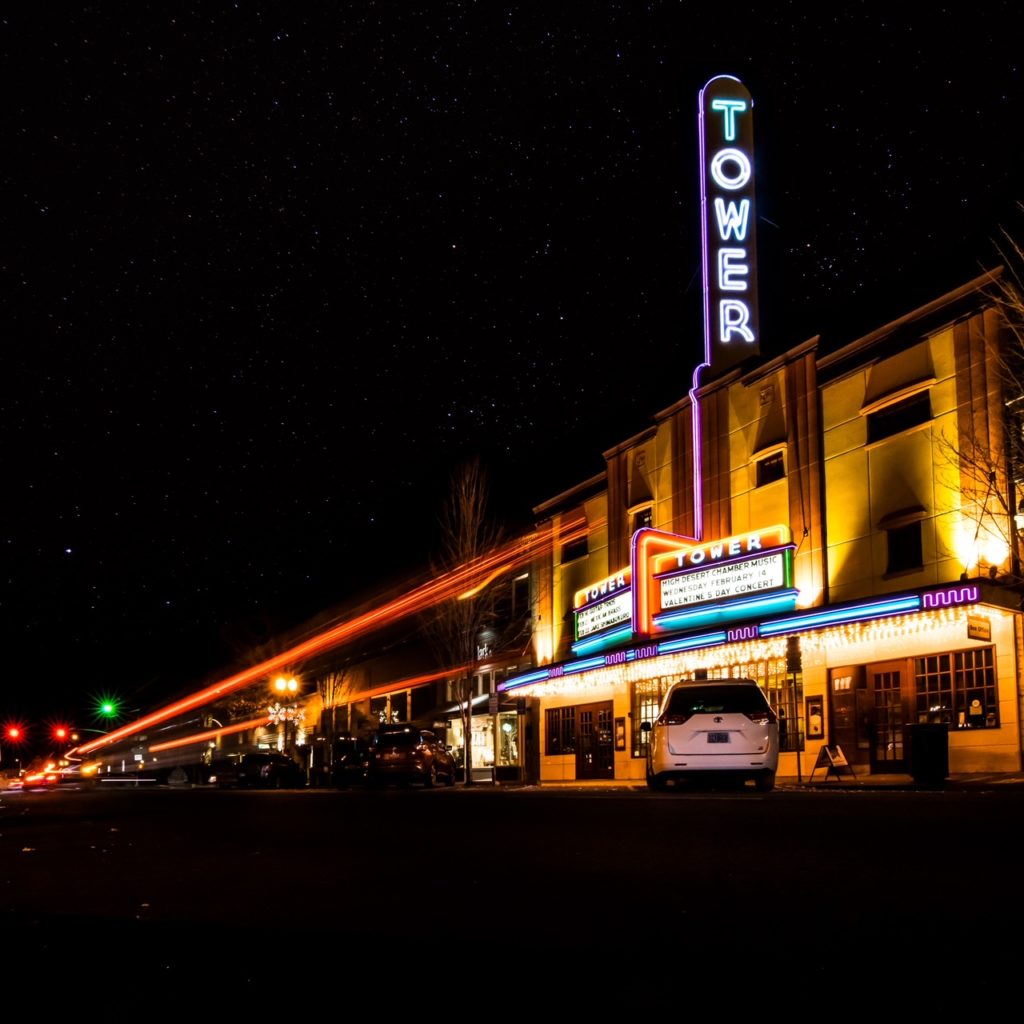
x: 255, y: 723
x: 449, y: 585
x: 209, y: 734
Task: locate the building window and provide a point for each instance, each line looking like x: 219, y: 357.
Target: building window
x: 561, y: 730
x: 645, y: 701
x: 905, y: 551
x: 934, y: 681
x: 574, y: 549
x: 900, y: 416
x: 520, y: 596
x: 455, y: 689
x: 958, y: 688
x: 640, y: 518
x: 771, y: 469
x: 976, y: 695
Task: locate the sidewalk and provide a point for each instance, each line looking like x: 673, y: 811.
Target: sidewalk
x: 865, y: 780
x: 861, y: 780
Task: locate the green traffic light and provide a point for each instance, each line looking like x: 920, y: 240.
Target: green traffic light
x: 108, y: 707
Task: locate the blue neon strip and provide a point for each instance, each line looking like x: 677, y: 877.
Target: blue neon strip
x: 583, y: 666
x: 835, y: 616
x: 595, y: 643
x: 688, y: 643
x: 779, y: 601
x: 531, y: 677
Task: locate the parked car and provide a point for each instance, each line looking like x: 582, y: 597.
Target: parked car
x: 716, y: 729
x: 351, y: 763
x: 259, y: 771
x: 408, y: 754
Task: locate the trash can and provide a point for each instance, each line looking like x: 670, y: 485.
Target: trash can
x: 928, y: 750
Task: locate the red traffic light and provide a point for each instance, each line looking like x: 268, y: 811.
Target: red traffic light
x: 60, y: 732
x: 13, y: 732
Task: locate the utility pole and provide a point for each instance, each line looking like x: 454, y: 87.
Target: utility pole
x: 794, y: 665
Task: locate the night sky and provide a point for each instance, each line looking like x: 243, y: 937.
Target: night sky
x: 268, y: 275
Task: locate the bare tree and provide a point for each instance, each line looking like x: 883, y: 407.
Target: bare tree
x: 988, y: 455
x: 453, y: 627
x: 248, y: 703
x: 1007, y: 291
x: 334, y: 689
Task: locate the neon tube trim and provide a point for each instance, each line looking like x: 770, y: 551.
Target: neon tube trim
x: 688, y: 643
x: 836, y: 616
x: 540, y: 676
x: 735, y: 609
x: 583, y: 666
x: 595, y: 643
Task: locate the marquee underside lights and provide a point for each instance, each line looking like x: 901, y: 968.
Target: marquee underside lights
x: 706, y: 614
x: 925, y: 605
x: 834, y: 616
x: 728, y: 223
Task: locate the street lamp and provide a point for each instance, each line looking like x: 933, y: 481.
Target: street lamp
x: 286, y: 684
x: 281, y: 712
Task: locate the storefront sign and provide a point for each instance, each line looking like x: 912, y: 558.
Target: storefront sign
x: 979, y: 628
x: 728, y: 222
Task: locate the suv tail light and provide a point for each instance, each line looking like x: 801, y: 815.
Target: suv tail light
x: 765, y: 717
x: 672, y: 719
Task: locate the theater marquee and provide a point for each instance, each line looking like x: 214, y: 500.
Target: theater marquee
x: 603, y: 613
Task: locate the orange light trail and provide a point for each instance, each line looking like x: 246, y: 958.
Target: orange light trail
x: 505, y: 558
x: 210, y: 734
x: 255, y: 723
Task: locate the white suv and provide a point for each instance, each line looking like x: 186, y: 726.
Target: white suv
x: 713, y: 727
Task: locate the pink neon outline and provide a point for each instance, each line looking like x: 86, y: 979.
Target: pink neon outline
x: 698, y: 434
x: 779, y: 533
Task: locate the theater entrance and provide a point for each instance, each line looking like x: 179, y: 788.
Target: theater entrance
x: 595, y: 749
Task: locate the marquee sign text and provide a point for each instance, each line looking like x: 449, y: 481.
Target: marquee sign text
x: 731, y: 331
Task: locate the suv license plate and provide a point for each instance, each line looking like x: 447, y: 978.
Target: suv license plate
x: 718, y: 737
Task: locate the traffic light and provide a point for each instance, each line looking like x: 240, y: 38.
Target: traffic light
x: 60, y: 732
x: 107, y: 706
x: 13, y: 733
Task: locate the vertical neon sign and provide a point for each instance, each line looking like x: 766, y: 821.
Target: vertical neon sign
x: 731, y: 331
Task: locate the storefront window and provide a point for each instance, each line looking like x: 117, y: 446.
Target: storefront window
x: 958, y: 688
x: 508, y: 739
x: 561, y: 730
x: 483, y: 740
x: 390, y: 709
x: 645, y: 702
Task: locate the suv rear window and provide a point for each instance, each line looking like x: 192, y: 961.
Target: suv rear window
x: 399, y: 740
x: 695, y: 700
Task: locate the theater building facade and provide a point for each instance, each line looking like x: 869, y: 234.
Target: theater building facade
x: 837, y: 523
